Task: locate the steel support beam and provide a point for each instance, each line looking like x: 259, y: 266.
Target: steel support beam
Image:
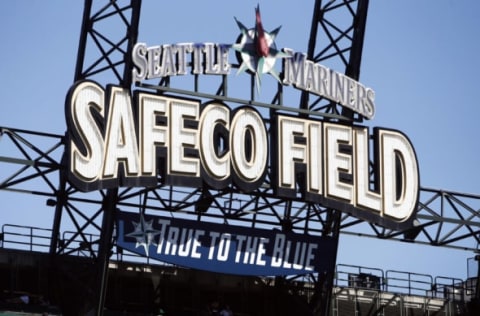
x: 98, y: 54
x: 353, y: 36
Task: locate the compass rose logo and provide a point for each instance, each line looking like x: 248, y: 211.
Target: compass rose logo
x: 144, y: 234
x: 257, y: 49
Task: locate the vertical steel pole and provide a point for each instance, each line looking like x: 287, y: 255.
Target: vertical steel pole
x: 109, y: 203
x: 82, y: 43
x: 104, y: 250
x: 322, y: 302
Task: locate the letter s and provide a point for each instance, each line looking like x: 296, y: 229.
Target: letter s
x: 139, y: 60
x: 86, y: 140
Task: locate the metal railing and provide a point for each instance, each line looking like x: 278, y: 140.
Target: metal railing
x: 400, y: 282
x: 25, y: 238
x: 37, y: 239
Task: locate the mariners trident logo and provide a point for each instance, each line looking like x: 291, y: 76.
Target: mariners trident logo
x: 257, y: 49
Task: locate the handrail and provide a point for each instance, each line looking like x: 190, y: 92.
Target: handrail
x: 25, y: 237
x: 30, y: 238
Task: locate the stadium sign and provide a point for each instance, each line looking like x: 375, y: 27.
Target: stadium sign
x: 212, y: 59
x: 257, y: 53
x: 223, y: 248
x: 116, y: 139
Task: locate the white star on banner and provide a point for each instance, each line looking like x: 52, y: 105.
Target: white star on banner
x: 144, y: 234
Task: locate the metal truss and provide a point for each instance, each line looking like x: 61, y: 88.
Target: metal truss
x: 101, y: 53
x: 340, y: 27
x: 343, y: 48
x: 443, y: 218
x: 32, y: 165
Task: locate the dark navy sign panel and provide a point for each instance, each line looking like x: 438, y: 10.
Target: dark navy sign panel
x: 224, y: 248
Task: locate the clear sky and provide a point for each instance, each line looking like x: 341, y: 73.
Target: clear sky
x: 420, y: 57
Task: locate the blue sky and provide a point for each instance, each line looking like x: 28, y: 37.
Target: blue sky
x: 420, y: 57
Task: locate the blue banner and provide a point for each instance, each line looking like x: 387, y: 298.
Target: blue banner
x: 224, y: 248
